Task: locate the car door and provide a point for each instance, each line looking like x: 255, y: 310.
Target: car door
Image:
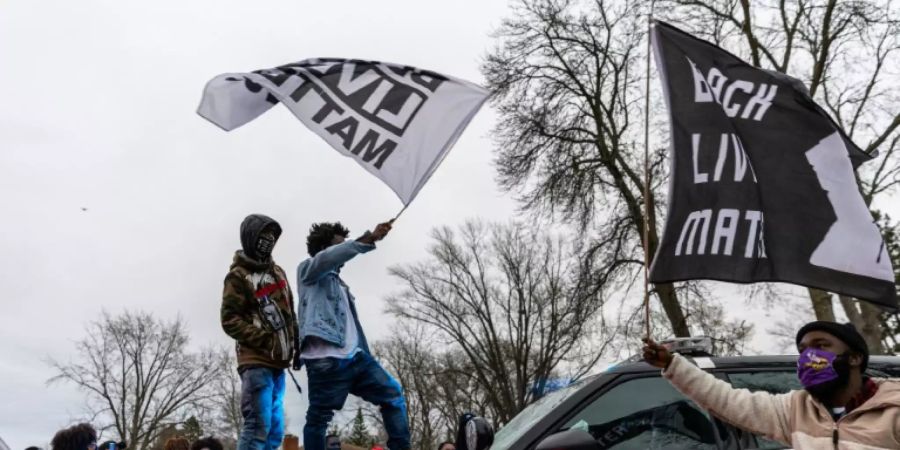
x: 644, y: 412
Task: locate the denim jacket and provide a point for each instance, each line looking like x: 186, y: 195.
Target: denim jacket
x: 320, y: 312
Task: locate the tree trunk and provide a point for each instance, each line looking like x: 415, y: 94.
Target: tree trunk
x: 821, y: 303
x: 669, y: 300
x: 867, y: 319
x: 852, y: 311
x: 870, y: 327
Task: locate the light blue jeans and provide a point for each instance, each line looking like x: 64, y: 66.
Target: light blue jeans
x: 262, y: 405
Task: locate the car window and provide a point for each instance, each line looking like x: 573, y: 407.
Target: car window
x: 512, y: 431
x: 774, y: 382
x: 645, y: 413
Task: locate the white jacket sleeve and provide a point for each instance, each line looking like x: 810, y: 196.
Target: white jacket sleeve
x: 757, y: 412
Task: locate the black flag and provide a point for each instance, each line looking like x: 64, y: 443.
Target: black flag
x: 762, y: 180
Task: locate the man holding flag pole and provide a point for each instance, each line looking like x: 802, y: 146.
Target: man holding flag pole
x: 763, y: 189
x: 334, y: 346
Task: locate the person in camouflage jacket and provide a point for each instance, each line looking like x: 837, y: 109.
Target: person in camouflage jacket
x: 258, y: 313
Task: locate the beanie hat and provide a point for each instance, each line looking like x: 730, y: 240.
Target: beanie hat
x: 846, y: 332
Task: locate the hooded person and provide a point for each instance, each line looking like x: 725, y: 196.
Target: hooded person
x: 838, y: 407
x: 258, y: 313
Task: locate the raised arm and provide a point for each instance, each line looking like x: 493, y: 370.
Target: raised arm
x: 330, y: 259
x: 333, y: 257
x: 757, y: 412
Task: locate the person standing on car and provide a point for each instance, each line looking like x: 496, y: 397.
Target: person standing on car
x: 258, y: 313
x: 839, y: 407
x: 334, y: 349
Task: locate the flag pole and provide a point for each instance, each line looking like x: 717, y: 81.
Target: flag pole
x: 401, y: 212
x: 647, y: 178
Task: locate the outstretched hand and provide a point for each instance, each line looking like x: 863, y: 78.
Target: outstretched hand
x: 655, y: 354
x: 381, y: 230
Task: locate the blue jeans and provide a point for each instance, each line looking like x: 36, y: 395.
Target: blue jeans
x: 331, y: 379
x: 262, y: 405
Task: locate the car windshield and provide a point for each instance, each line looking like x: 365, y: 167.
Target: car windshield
x: 511, y: 432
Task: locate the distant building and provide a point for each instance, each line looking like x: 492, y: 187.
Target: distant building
x: 290, y: 442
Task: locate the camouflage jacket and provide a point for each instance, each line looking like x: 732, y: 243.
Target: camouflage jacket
x: 249, y: 285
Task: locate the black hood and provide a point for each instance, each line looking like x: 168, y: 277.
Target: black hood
x: 252, y: 226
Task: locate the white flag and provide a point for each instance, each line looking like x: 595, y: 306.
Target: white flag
x: 398, y: 122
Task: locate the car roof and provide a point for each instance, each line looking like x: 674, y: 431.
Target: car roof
x: 891, y: 364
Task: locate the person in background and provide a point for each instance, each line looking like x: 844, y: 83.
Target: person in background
x: 334, y: 347
x: 446, y: 446
x: 838, y: 407
x: 113, y: 445
x: 332, y: 442
x: 77, y: 437
x: 177, y: 443
x: 207, y: 443
x: 258, y: 313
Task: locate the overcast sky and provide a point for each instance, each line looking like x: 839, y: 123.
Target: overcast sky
x: 116, y: 195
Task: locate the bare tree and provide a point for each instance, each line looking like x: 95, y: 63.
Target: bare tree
x: 568, y: 84
x: 439, y: 383
x: 847, y: 54
x: 513, y: 300
x: 139, y: 375
x: 890, y: 322
x: 407, y: 356
x: 224, y: 414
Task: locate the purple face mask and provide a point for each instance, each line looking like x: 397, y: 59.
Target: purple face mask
x: 816, y: 367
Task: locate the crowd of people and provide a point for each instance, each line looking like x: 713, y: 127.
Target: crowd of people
x: 83, y: 436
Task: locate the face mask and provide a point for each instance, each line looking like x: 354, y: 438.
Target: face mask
x: 816, y: 367
x: 822, y: 373
x: 264, y: 245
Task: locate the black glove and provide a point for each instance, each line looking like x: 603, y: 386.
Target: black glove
x: 298, y: 363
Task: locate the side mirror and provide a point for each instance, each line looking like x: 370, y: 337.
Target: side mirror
x: 569, y: 440
x: 474, y: 433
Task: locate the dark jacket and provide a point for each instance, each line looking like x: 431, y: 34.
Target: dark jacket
x: 249, y: 285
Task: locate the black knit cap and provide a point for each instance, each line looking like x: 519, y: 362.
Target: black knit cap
x: 846, y: 332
